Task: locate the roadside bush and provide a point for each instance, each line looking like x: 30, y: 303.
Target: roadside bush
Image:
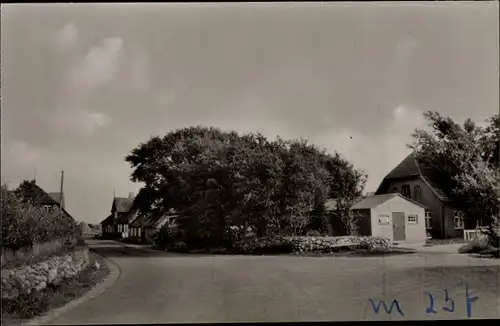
x: 38, y: 252
x: 476, y: 245
x: 272, y: 245
x: 180, y: 247
x: 167, y: 235
x: 370, y: 243
x: 314, y: 244
x: 26, y: 228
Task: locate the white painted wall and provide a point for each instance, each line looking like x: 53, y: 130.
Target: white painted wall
x: 414, y: 232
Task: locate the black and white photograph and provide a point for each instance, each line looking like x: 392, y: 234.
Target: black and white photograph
x: 213, y: 162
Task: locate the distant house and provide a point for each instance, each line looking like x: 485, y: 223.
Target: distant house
x: 116, y: 225
x: 143, y: 227
x: 393, y: 216
x: 136, y: 229
x: 422, y: 183
x: 153, y: 224
x: 89, y: 229
x: 108, y: 226
x: 49, y: 201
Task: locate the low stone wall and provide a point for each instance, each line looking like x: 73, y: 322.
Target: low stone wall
x: 27, y: 279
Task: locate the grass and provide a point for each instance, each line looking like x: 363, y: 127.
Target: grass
x: 434, y: 242
x: 29, y: 306
x: 39, y: 252
x: 481, y: 247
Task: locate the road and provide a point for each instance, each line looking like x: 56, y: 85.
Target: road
x: 159, y: 287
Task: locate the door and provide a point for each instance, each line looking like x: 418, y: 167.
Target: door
x: 398, y: 226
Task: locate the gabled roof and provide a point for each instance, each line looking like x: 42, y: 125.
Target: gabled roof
x: 407, y: 168
x: 158, y: 221
x: 376, y: 200
x: 44, y: 198
x: 57, y: 196
x: 412, y: 167
x: 128, y: 217
x: 108, y: 220
x: 123, y: 204
x: 138, y: 221
x: 372, y: 201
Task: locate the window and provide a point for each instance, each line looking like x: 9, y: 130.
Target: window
x: 126, y: 227
x: 428, y: 219
x: 383, y: 220
x: 412, y: 219
x: 458, y: 219
x: 406, y: 191
x: 417, y: 193
x: 47, y: 208
x: 139, y: 232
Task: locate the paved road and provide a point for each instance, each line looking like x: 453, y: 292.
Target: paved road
x: 163, y: 287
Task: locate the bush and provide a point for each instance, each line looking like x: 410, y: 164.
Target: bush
x: 38, y: 252
x: 272, y: 245
x: 317, y: 244
x: 370, y: 243
x: 476, y: 245
x: 24, y: 225
x: 166, y: 235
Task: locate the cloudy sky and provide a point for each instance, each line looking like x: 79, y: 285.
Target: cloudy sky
x: 84, y: 84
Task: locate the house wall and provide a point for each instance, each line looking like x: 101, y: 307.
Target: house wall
x: 427, y: 198
x: 413, y: 232
x: 449, y: 214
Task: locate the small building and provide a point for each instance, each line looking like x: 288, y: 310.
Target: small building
x: 116, y: 225
x: 153, y: 224
x: 136, y: 233
x: 420, y: 181
x: 49, y: 201
x: 393, y: 216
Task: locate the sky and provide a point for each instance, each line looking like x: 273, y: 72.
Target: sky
x: 83, y: 84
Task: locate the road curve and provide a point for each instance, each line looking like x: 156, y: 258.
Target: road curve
x: 159, y: 287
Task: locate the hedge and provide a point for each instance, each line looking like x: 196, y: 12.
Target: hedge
x: 25, y: 225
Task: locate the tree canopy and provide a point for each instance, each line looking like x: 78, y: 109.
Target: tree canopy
x: 467, y: 156
x: 218, y: 180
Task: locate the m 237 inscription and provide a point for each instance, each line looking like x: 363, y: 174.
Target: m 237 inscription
x: 443, y: 302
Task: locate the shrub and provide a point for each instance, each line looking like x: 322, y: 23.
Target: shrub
x: 266, y: 245
x: 370, y: 243
x: 313, y: 233
x: 166, y: 235
x: 315, y: 244
x: 24, y: 225
x: 180, y: 247
x: 38, y: 252
x: 476, y: 245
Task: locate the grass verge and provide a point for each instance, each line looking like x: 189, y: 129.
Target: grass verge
x: 434, y: 242
x: 18, y: 311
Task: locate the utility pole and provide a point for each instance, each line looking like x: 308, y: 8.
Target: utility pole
x: 34, y: 173
x: 61, y: 200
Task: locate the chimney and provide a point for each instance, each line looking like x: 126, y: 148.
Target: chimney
x: 131, y: 195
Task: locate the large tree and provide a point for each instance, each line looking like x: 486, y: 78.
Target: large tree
x: 221, y: 181
x: 467, y: 157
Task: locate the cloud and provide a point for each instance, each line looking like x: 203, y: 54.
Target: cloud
x: 99, y: 66
x: 87, y: 179
x: 65, y: 38
x: 140, y: 70
x: 405, y: 49
x: 376, y: 155
x: 82, y: 123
